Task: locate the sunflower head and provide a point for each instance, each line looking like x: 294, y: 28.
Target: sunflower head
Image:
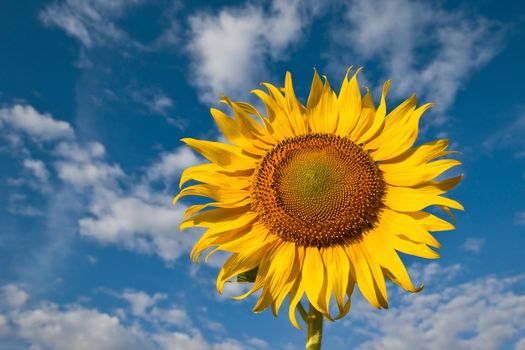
x: 319, y: 198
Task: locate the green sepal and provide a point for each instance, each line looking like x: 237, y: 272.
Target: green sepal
x: 248, y: 276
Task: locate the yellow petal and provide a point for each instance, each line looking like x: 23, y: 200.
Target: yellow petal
x: 257, y: 236
x: 402, y: 224
x: 277, y: 118
x: 349, y: 102
x: 431, y: 222
x: 369, y: 253
x: 215, y: 239
x: 296, y: 110
x: 313, y: 278
x: 338, y: 272
x: 281, y: 262
x: 294, y: 268
x: 405, y: 245
x: 296, y: 294
x: 366, y: 119
x: 379, y: 120
x: 402, y: 137
x: 251, y: 128
x: 440, y: 187
x: 410, y: 199
x: 198, y: 207
x: 363, y: 275
x: 315, y: 91
x: 390, y: 261
x: 402, y: 175
x: 213, y: 174
x: 232, y: 131
x: 221, y: 194
x: 214, y: 216
x: 420, y: 155
x: 226, y: 156
x: 239, y: 263
x: 324, y: 115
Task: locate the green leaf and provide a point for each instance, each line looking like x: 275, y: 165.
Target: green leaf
x: 248, y: 276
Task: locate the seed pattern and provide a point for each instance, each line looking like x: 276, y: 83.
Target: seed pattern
x: 317, y: 190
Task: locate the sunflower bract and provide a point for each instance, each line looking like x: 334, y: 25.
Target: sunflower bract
x: 319, y: 197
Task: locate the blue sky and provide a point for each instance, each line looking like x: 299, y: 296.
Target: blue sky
x: 95, y: 95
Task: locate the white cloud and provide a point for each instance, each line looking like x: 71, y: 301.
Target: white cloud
x: 171, y: 316
x: 155, y: 100
x: 46, y: 325
x: 90, y: 21
x: 38, y: 168
x: 76, y: 328
x: 83, y: 165
x: 14, y: 296
x: 80, y: 153
x: 230, y: 50
x: 81, y: 175
x: 3, y: 323
x: 433, y: 272
x: 140, y: 218
x: 170, y: 165
x: 473, y: 245
x: 195, y: 341
x: 141, y: 301
x: 111, y: 206
x: 144, y: 225
x: 17, y: 205
x: 481, y: 314
x: 39, y: 126
x: 396, y: 34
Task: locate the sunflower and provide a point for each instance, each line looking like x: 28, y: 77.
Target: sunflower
x: 319, y: 198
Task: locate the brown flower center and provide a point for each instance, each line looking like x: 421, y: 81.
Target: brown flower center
x: 317, y: 190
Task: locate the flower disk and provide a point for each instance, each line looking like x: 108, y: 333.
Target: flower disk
x: 319, y: 198
x: 317, y: 190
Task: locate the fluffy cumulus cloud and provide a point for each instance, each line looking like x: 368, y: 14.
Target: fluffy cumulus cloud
x: 28, y: 121
x: 129, y: 210
x: 486, y: 313
x: 230, y: 49
x: 171, y: 164
x: 77, y: 328
x: 37, y: 167
x: 46, y: 325
x: 141, y: 218
x: 140, y: 301
x: 419, y: 45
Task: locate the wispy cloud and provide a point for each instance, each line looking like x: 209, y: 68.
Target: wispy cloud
x: 520, y: 218
x: 420, y: 45
x: 230, y: 50
x: 38, y: 168
x: 473, y: 245
x: 486, y: 313
x: 509, y: 135
x: 154, y: 99
x: 91, y: 22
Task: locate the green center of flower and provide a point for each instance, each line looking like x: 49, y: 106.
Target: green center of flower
x: 317, y: 190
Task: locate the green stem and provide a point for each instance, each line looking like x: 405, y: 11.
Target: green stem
x: 314, y: 329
